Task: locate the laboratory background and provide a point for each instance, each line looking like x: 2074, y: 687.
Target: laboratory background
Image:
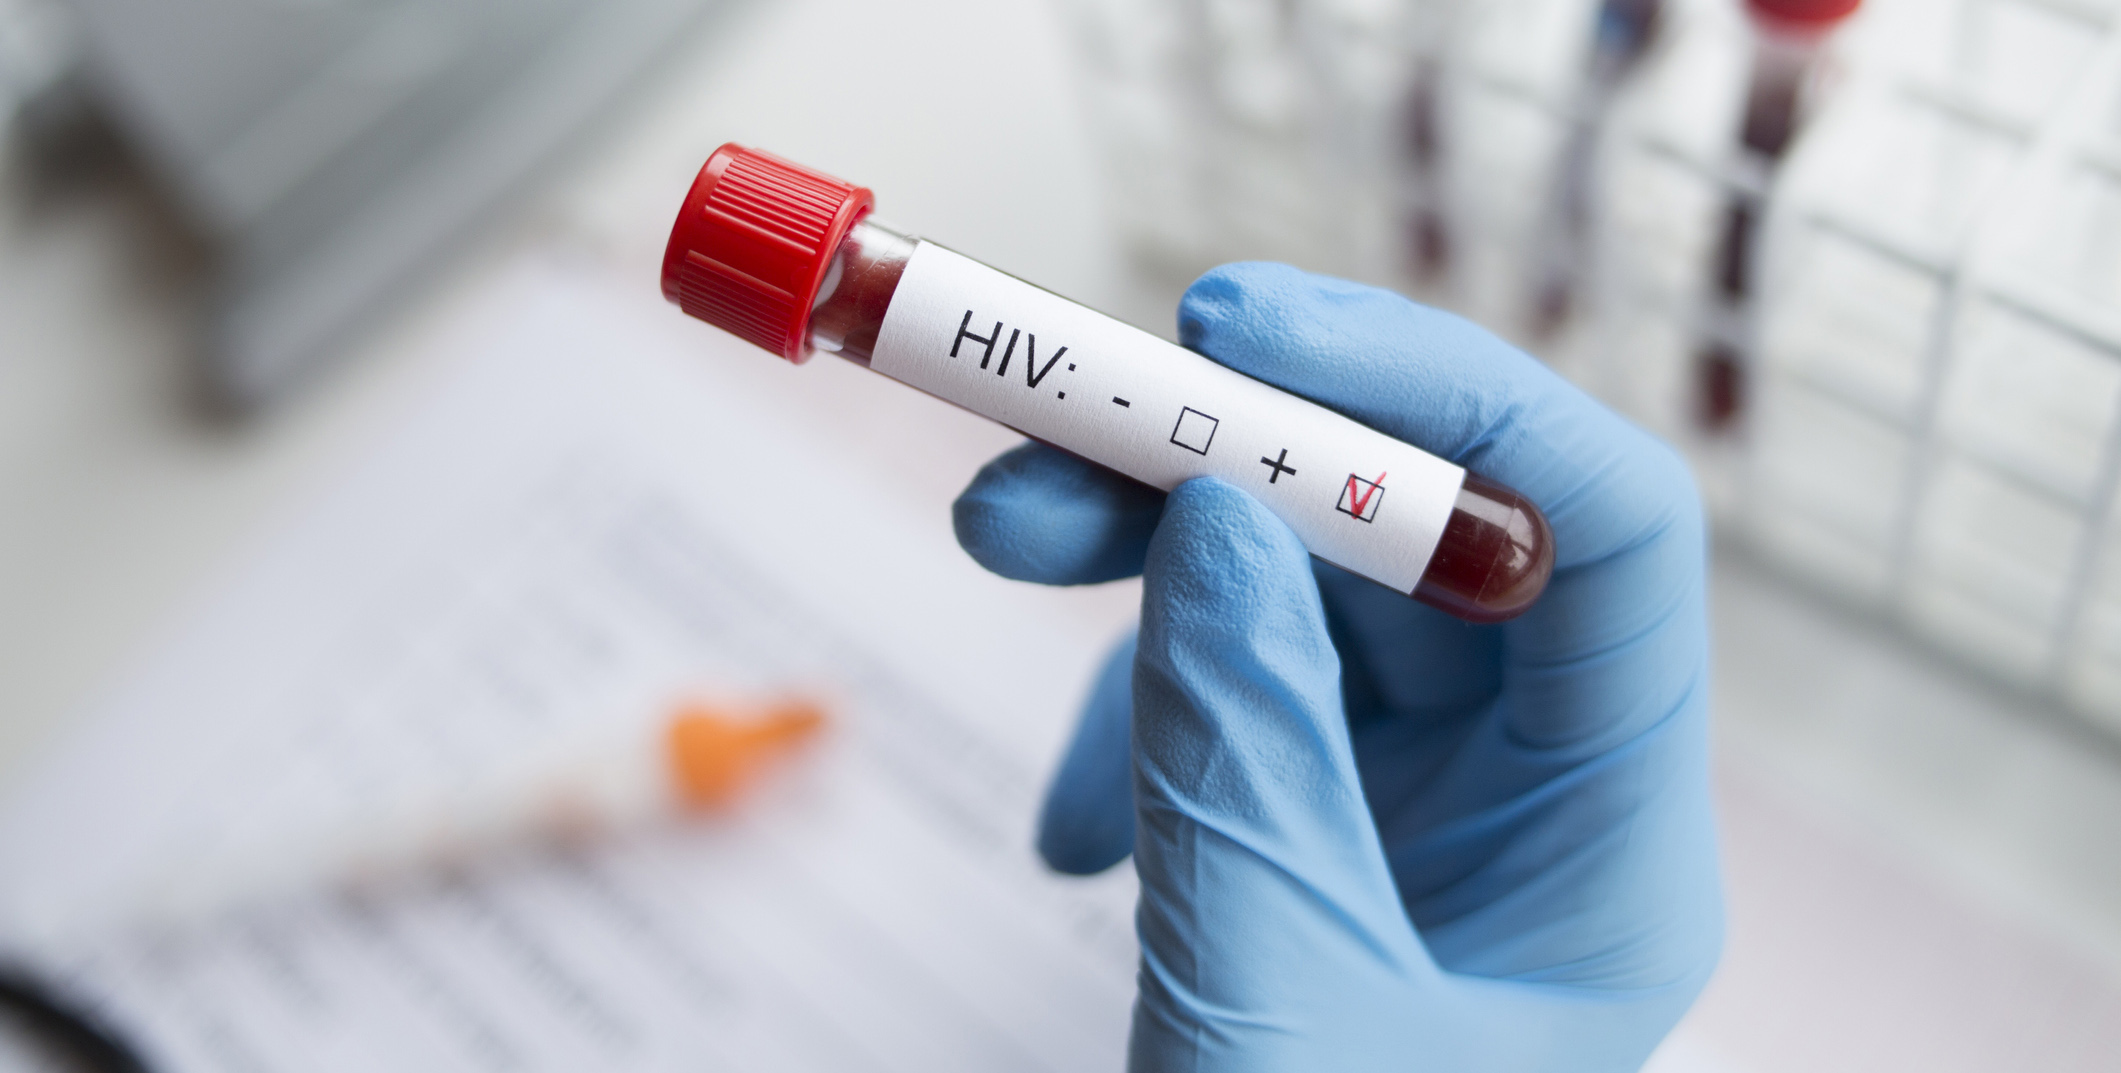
x: 358, y: 489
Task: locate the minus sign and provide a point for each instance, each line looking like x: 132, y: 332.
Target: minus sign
x: 1121, y: 401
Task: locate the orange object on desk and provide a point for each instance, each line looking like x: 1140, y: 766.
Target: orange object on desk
x: 715, y: 753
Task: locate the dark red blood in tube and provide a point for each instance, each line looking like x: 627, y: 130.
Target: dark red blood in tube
x: 1495, y: 556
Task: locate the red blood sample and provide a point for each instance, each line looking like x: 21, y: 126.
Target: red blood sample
x: 1496, y: 552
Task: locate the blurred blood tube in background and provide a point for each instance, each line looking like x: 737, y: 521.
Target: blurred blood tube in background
x: 1621, y: 38
x: 1788, y: 37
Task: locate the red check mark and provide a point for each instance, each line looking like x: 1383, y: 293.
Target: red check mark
x: 1362, y: 502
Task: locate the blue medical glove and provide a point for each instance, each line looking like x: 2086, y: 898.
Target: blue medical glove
x: 1371, y: 836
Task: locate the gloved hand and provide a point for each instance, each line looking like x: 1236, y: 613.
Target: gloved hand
x: 1371, y: 836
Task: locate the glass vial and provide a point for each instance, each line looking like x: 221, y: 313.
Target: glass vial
x: 1489, y: 553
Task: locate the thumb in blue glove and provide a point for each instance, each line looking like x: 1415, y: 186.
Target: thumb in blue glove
x: 1370, y: 836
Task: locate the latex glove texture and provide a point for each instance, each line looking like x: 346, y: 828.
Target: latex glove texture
x: 1370, y: 836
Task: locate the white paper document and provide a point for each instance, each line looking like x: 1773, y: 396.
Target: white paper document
x: 597, y: 513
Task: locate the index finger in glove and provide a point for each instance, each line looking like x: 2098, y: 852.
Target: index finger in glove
x: 1039, y: 514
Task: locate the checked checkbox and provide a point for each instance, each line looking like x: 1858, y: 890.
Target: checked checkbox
x: 1359, y: 499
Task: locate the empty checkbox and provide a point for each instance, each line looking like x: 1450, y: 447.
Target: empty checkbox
x: 1195, y: 430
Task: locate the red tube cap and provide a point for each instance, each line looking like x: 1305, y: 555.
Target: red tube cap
x: 1804, y: 14
x: 753, y: 243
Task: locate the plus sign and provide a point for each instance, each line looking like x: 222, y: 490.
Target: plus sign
x: 1279, y: 466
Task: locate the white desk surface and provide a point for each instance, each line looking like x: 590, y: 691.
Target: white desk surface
x: 1893, y: 829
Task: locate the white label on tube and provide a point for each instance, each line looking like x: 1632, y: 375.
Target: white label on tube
x: 1118, y: 396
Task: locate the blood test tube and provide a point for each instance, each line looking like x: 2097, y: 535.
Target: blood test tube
x: 1623, y: 34
x: 1428, y: 229
x: 790, y: 259
x: 1787, y: 38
